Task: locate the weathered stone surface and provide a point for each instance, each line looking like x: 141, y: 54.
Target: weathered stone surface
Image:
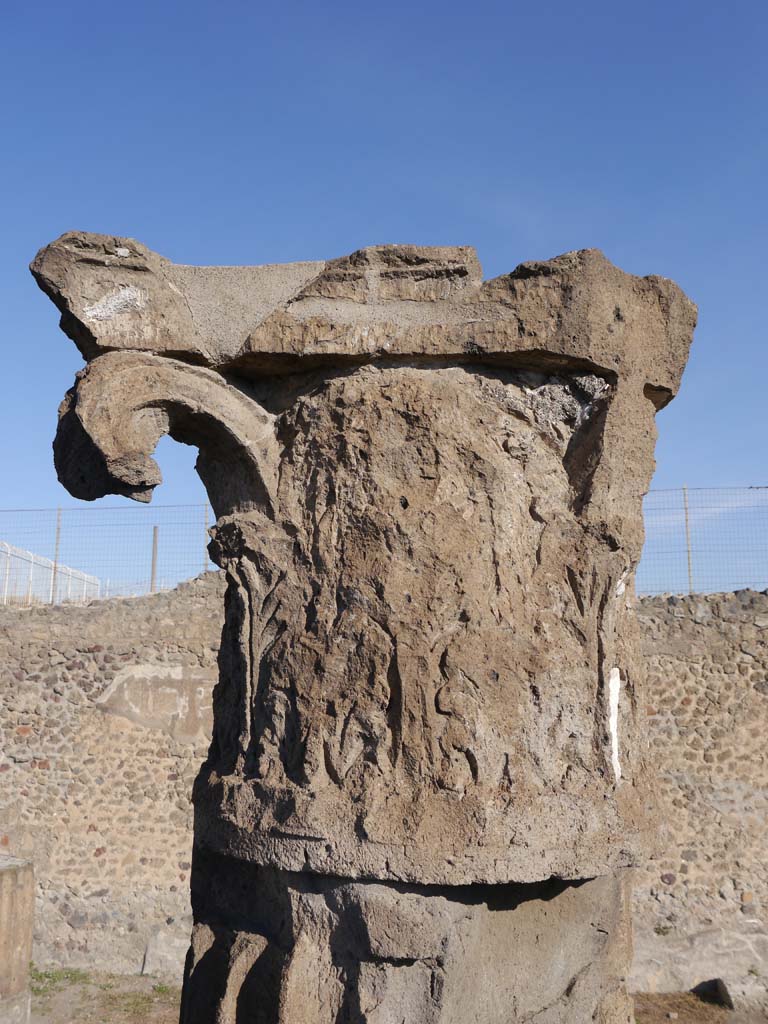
x: 330, y: 949
x: 114, y: 294
x: 419, y: 649
x: 17, y: 912
x: 383, y: 301
x: 428, y: 492
x: 167, y: 948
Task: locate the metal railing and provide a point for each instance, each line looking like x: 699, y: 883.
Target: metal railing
x: 697, y: 540
x: 28, y: 579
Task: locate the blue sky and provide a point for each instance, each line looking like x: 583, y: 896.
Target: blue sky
x: 263, y: 132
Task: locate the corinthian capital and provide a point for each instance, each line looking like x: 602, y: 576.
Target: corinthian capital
x: 428, y: 489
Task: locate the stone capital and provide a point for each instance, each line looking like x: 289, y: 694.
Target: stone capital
x: 428, y: 491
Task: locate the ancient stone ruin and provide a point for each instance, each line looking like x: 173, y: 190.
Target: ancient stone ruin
x: 426, y: 782
x: 17, y: 908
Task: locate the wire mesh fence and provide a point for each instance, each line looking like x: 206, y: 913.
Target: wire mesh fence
x: 705, y: 540
x: 28, y: 578
x: 76, y: 554
x: 699, y: 540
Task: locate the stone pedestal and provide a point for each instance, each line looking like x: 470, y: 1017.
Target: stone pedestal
x: 17, y: 914
x: 323, y: 949
x: 426, y: 783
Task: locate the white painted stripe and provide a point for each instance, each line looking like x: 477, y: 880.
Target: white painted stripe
x: 614, y: 691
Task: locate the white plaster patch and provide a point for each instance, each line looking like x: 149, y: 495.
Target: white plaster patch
x: 123, y: 252
x: 614, y: 691
x: 124, y: 300
x: 171, y: 698
x: 621, y: 586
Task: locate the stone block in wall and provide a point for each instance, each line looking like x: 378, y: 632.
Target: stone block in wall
x: 167, y: 950
x: 17, y: 908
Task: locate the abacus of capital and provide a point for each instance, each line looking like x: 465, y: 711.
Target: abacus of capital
x: 426, y: 784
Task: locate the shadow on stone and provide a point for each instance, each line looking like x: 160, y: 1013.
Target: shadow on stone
x: 715, y: 992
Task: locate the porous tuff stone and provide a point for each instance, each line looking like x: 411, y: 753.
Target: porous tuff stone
x: 329, y: 949
x: 428, y: 490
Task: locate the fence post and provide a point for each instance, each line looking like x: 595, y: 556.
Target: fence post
x: 688, y: 538
x: 153, y: 577
x: 29, y: 578
x: 205, y: 542
x: 55, y: 570
x: 7, y: 571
